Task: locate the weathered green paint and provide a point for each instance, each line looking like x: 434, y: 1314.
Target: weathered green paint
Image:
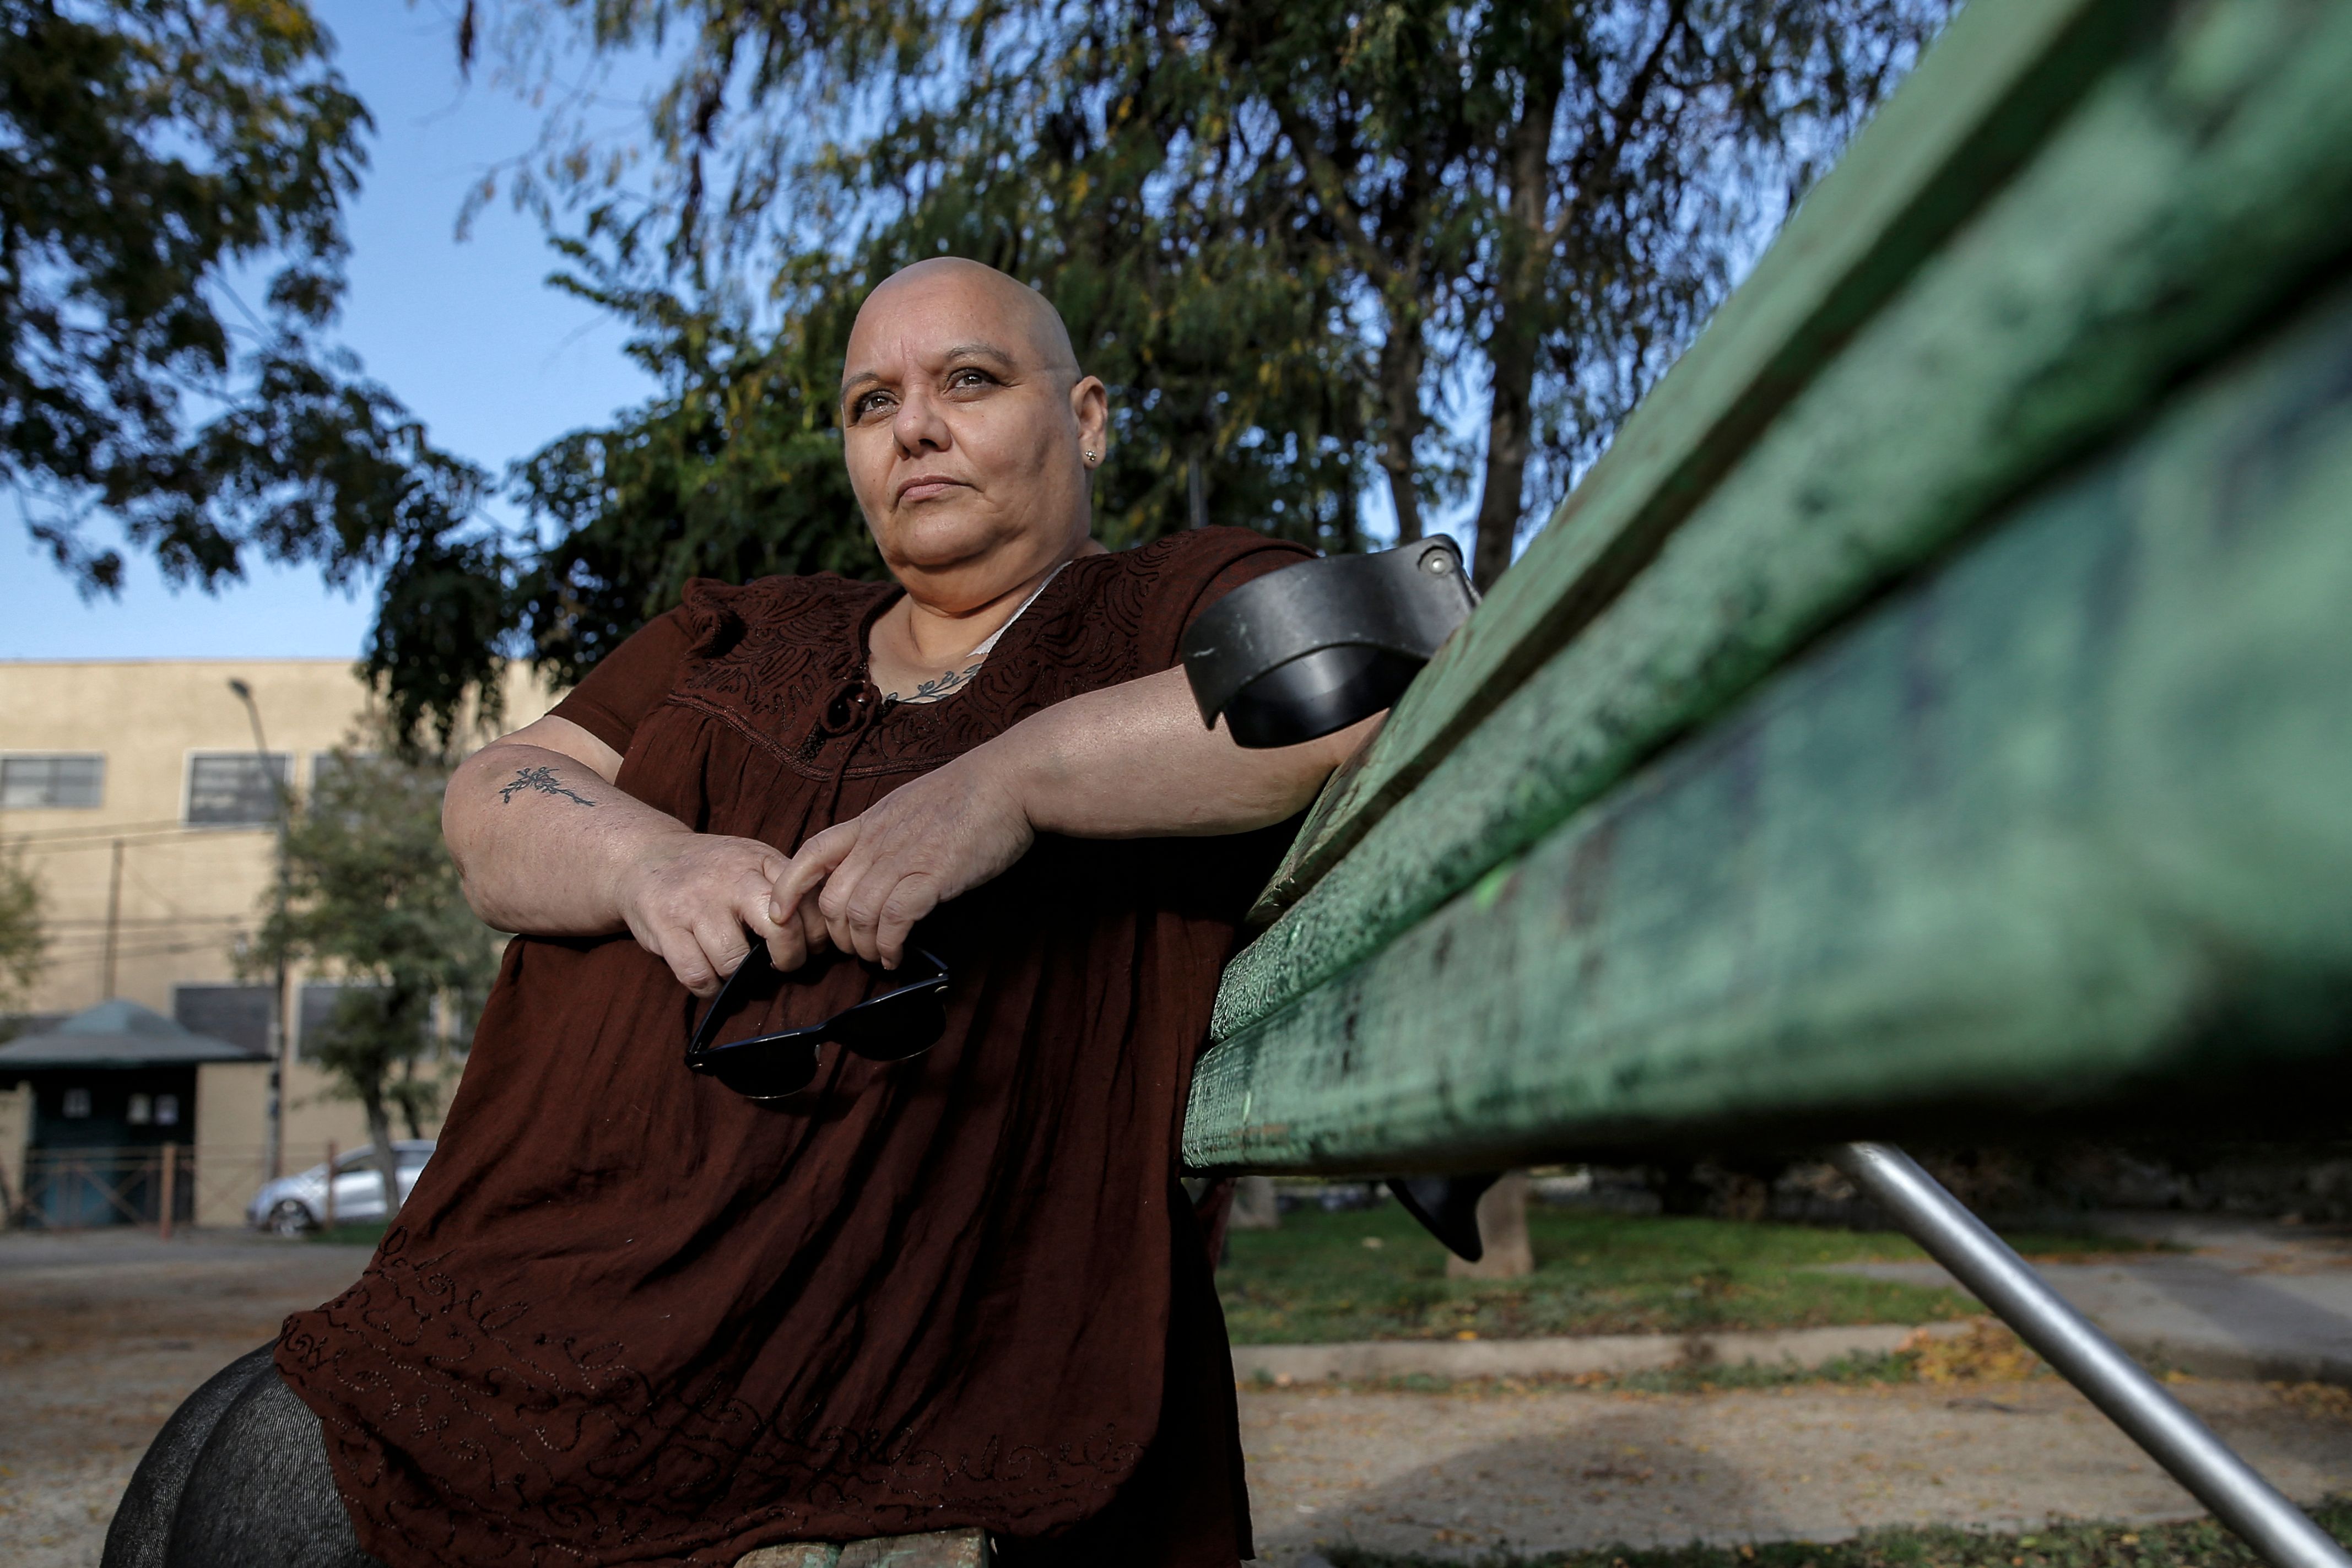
x: 1981, y: 100
x: 2070, y: 817
x: 2202, y: 184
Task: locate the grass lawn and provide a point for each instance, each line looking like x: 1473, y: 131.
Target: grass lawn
x: 1373, y: 1274
x: 2200, y: 1544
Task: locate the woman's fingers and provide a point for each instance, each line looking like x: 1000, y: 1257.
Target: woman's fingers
x: 885, y: 897
x: 914, y: 897
x: 684, y: 954
x: 755, y: 908
x: 835, y: 904
x: 866, y: 882
x: 799, y: 938
x: 787, y: 948
x: 814, y: 864
x: 722, y: 942
x: 690, y: 906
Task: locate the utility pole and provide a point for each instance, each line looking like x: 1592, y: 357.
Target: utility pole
x: 114, y: 923
x: 280, y: 1032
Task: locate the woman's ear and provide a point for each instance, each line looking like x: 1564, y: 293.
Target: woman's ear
x: 1090, y: 407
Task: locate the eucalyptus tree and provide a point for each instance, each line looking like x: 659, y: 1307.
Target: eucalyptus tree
x: 373, y: 900
x: 1308, y: 243
x: 172, y: 181
x: 1558, y: 193
x: 24, y: 936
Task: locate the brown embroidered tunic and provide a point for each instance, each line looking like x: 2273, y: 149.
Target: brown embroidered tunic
x: 629, y: 1317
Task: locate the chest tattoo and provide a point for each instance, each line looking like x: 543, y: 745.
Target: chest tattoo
x: 945, y: 685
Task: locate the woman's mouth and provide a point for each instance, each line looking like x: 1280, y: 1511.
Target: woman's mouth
x: 926, y: 488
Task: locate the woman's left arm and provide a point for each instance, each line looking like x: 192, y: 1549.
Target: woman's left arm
x: 1128, y: 761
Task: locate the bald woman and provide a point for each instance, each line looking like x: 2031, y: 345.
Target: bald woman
x: 641, y: 1313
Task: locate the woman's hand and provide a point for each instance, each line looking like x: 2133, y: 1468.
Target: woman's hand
x: 926, y: 842
x: 1125, y: 762
x: 687, y: 896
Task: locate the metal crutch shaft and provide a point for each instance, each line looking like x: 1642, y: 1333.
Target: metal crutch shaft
x: 2006, y: 1283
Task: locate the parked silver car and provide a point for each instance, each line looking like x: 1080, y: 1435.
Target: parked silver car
x: 293, y: 1204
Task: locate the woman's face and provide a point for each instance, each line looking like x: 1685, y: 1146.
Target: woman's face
x: 965, y: 425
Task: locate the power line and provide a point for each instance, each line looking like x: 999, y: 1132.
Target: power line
x: 84, y: 829
x: 97, y: 955
x: 129, y: 920
x: 101, y: 838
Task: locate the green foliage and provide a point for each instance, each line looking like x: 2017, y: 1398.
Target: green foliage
x: 736, y: 469
x: 2195, y: 1543
x: 24, y: 940
x: 150, y: 150
x: 372, y: 897
x: 1319, y: 1278
x: 735, y: 472
x: 1290, y: 238
x: 1299, y: 243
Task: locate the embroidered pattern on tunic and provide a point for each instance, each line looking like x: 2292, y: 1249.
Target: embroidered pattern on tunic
x: 467, y: 1424
x: 788, y: 638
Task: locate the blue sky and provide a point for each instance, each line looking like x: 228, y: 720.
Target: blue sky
x: 466, y: 333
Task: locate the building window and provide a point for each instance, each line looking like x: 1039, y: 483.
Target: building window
x: 76, y: 1104
x: 167, y: 1110
x: 340, y: 775
x: 237, y: 1014
x: 236, y: 789
x: 27, y: 783
x: 143, y: 1110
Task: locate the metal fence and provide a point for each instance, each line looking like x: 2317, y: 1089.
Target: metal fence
x: 158, y: 1186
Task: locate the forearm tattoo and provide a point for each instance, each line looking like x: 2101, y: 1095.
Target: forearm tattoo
x: 539, y: 781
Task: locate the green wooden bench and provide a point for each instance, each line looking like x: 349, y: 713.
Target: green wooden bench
x: 1933, y: 717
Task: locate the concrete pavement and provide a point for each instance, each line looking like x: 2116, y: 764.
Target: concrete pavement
x: 2250, y: 1298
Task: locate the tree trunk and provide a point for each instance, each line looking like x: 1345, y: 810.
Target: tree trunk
x: 1254, y: 1205
x: 408, y: 1102
x: 1400, y: 419
x: 1518, y: 335
x: 1509, y: 441
x: 387, y: 1163
x: 1502, y: 1234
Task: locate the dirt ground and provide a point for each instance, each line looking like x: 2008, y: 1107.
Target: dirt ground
x: 1552, y: 1470
x: 101, y: 1336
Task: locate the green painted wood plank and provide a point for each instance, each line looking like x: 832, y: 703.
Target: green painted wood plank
x: 2068, y: 818
x: 2004, y: 73
x: 2204, y: 182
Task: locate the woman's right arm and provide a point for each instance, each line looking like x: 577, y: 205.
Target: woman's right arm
x: 546, y: 843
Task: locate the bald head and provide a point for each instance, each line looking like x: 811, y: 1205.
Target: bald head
x: 969, y: 431
x: 1025, y: 326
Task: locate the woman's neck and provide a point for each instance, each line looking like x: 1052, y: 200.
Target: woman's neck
x: 922, y: 644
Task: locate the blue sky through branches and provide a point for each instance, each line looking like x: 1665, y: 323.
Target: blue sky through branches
x: 496, y: 363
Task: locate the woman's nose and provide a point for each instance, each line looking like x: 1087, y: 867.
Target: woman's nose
x: 917, y: 426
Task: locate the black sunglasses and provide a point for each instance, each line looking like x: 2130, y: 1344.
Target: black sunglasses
x: 904, y: 1021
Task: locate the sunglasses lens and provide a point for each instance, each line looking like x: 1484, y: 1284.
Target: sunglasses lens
x: 767, y: 1072
x: 892, y: 1028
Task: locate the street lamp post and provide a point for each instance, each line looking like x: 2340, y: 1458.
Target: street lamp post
x: 280, y: 1033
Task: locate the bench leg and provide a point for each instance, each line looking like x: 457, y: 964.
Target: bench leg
x: 1997, y: 1277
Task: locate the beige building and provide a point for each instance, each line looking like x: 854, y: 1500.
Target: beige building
x: 145, y: 806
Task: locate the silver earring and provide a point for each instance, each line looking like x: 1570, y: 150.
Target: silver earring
x: 1090, y: 460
